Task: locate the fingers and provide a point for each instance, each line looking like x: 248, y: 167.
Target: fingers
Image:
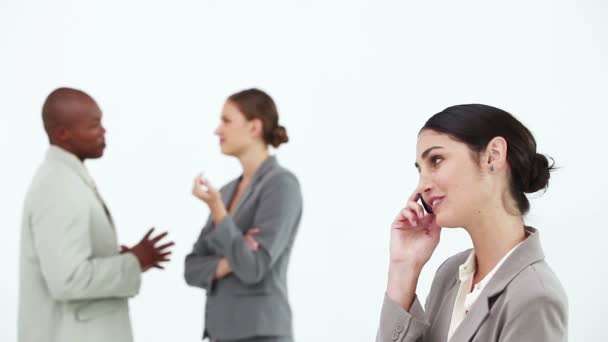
x: 428, y: 220
x: 195, y: 186
x: 406, y: 218
x: 204, y: 190
x: 251, y: 243
x: 156, y: 259
x: 151, y: 255
x: 198, y: 187
x: 414, y: 197
x: 162, y: 251
x: 147, y: 236
x: 412, y: 216
x: 204, y: 181
x: 207, y: 184
x: 250, y: 240
x: 253, y: 231
x: 416, y: 209
x: 158, y: 237
x: 167, y: 245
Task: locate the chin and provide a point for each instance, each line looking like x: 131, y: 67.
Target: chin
x: 226, y: 151
x: 98, y: 154
x: 445, y: 221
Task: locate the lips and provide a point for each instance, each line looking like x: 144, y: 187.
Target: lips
x: 435, y: 202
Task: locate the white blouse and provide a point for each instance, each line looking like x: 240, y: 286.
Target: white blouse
x: 465, y: 297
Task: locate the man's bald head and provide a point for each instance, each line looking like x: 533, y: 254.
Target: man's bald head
x: 62, y: 106
x: 72, y: 120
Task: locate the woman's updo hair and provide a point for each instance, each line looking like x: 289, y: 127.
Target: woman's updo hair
x: 256, y: 104
x: 476, y: 125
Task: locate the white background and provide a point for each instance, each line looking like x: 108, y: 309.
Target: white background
x: 354, y: 81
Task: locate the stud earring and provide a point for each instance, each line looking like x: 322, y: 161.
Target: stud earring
x: 491, y: 168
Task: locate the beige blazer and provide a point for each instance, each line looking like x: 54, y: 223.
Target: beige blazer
x: 73, y: 283
x: 524, y: 301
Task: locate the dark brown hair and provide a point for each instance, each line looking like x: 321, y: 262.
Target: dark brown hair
x: 477, y: 124
x: 256, y: 104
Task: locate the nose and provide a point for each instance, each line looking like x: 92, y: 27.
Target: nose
x: 217, y: 130
x: 425, y: 184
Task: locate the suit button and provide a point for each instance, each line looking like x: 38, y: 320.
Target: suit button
x: 395, y: 335
x: 400, y: 328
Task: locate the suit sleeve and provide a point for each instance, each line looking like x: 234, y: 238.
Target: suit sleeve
x: 201, y: 263
x: 60, y: 222
x: 277, y: 216
x: 397, y: 324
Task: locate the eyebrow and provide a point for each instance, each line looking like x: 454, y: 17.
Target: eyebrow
x: 425, y: 154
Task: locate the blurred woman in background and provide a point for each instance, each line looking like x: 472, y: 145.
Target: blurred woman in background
x: 242, y: 254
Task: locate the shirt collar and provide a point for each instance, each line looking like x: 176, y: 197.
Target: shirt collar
x: 58, y: 154
x: 264, y: 168
x: 469, y: 267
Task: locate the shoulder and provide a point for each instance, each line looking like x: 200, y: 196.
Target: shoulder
x: 56, y: 180
x: 537, y: 283
x: 280, y: 176
x: 56, y: 188
x: 535, y: 302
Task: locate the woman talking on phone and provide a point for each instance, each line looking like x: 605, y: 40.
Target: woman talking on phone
x: 476, y: 164
x: 242, y: 253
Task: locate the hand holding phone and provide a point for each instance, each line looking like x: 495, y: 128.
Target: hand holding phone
x: 415, y: 233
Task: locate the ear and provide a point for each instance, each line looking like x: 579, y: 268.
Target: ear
x: 495, y: 156
x: 61, y: 134
x: 257, y: 128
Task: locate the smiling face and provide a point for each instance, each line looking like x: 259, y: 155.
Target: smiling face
x: 451, y: 181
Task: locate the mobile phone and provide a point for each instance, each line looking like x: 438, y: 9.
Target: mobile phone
x: 426, y: 207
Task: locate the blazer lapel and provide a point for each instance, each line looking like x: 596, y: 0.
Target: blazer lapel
x: 105, y: 208
x: 443, y: 318
x: 229, y: 191
x: 262, y: 170
x: 471, y: 323
x: 527, y: 253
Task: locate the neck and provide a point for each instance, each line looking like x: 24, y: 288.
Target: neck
x: 251, y: 160
x: 67, y: 149
x: 494, y: 234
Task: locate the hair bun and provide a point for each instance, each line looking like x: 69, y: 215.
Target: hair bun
x: 279, y: 136
x: 539, y: 174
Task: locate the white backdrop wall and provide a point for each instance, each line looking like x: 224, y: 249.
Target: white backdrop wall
x: 354, y: 81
